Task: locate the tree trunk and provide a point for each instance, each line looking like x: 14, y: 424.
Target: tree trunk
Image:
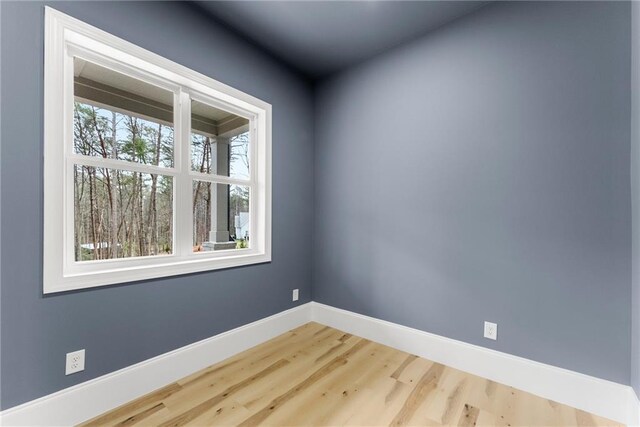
x: 203, y: 224
x: 153, y: 209
x: 92, y: 210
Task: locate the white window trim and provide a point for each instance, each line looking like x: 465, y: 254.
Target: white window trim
x: 66, y: 37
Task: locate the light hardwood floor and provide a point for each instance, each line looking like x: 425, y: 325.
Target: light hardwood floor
x: 317, y: 375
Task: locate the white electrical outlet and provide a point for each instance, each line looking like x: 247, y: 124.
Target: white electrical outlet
x: 491, y: 330
x: 295, y: 295
x: 75, y: 362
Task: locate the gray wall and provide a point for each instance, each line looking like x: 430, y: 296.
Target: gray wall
x: 635, y: 194
x: 121, y: 325
x: 482, y: 173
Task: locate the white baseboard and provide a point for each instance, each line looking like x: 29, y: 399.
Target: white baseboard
x: 605, y: 398
x: 636, y: 402
x: 94, y: 397
x: 89, y: 399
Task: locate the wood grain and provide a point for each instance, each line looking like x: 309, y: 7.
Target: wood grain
x: 317, y: 375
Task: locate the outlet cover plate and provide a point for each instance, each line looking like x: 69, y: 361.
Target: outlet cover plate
x: 75, y: 362
x: 295, y: 295
x: 491, y: 330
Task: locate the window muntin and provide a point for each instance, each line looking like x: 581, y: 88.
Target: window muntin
x: 101, y: 85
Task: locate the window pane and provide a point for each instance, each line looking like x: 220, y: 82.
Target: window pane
x: 220, y: 216
x: 121, y: 214
x: 119, y: 117
x: 239, y: 157
x: 219, y: 142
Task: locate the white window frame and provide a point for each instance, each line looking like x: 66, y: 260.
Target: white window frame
x: 66, y: 38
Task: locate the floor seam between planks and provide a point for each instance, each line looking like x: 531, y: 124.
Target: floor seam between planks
x: 315, y: 375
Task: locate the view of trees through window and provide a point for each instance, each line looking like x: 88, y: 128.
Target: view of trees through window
x: 206, y: 157
x: 124, y: 209
x: 120, y: 213
x: 229, y: 220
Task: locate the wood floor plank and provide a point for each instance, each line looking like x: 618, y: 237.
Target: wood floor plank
x: 302, y: 363
x: 327, y: 369
x: 200, y: 387
x: 315, y: 375
x: 488, y: 419
x: 377, y: 405
x: 141, y: 416
x: 198, y: 410
x: 447, y: 403
x: 378, y: 369
x: 469, y: 416
x: 134, y: 407
x: 378, y: 395
x: 410, y: 358
x: 229, y: 413
x: 338, y: 393
x: 422, y: 389
x: 412, y: 373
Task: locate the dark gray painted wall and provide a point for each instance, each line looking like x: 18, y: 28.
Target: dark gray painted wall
x: 121, y: 325
x: 358, y: 29
x: 482, y: 173
x: 635, y: 194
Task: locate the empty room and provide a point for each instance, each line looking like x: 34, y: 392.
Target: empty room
x: 319, y: 213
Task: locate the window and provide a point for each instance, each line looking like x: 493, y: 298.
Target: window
x: 150, y: 169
